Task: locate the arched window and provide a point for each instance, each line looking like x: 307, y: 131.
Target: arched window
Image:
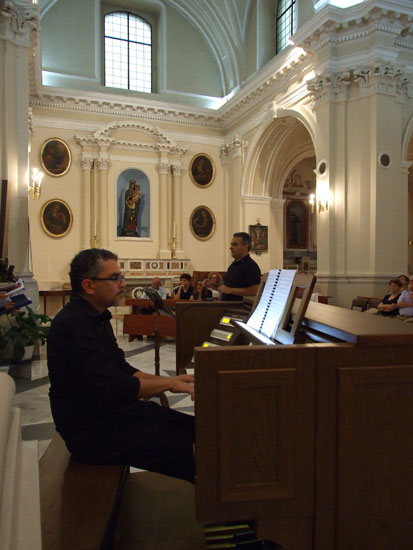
x: 128, y: 52
x: 286, y: 22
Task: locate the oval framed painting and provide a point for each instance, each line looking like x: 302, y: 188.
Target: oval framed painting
x: 56, y: 218
x: 55, y: 157
x: 202, y: 170
x: 202, y: 223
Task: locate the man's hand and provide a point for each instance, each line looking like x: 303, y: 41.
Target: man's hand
x: 152, y: 385
x: 184, y: 383
x: 224, y: 289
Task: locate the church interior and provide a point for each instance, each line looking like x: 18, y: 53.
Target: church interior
x: 157, y: 129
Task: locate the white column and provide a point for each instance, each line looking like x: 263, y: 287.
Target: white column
x: 177, y: 171
x: 103, y: 165
x: 85, y: 228
x: 276, y: 234
x: 163, y: 208
x: 16, y: 24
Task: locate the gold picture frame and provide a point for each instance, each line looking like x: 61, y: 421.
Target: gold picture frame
x: 56, y: 218
x: 202, y: 223
x: 202, y: 170
x: 55, y: 157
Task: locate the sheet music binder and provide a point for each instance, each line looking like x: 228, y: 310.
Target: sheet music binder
x: 272, y: 317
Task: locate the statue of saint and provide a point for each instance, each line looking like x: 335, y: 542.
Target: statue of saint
x: 130, y: 217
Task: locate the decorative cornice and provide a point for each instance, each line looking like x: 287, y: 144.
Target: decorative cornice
x: 255, y: 199
x: 122, y: 106
x: 336, y: 26
x: 385, y: 77
x: 277, y: 76
x: 106, y: 137
x: 17, y: 22
x: 381, y: 76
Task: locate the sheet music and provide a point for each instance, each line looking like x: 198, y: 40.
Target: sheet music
x: 268, y: 313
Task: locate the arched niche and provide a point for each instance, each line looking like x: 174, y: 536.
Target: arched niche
x: 133, y: 200
x: 284, y: 150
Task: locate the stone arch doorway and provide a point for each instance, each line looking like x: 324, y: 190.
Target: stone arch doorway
x: 280, y: 169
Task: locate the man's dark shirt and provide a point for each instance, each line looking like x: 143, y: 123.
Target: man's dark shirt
x: 185, y: 294
x: 241, y: 274
x: 91, y: 383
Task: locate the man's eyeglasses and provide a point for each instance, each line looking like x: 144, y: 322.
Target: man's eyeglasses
x: 115, y: 278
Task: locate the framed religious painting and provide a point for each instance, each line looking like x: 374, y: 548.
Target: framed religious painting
x: 202, y: 223
x: 56, y: 218
x: 296, y: 219
x: 202, y: 170
x: 259, y: 236
x: 55, y: 157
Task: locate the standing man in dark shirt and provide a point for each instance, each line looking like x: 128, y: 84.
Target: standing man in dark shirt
x: 243, y: 275
x: 95, y: 394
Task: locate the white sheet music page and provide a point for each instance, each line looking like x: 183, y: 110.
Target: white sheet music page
x: 268, y: 313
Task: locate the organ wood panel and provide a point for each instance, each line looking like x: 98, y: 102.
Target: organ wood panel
x: 254, y: 432
x: 340, y: 414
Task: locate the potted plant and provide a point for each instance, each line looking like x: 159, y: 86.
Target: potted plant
x: 26, y: 329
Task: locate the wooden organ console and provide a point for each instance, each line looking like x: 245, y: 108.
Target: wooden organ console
x: 313, y: 440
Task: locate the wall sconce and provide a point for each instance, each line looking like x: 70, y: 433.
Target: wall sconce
x: 35, y: 184
x: 322, y: 202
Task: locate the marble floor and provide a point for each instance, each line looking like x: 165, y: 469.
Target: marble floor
x: 32, y: 390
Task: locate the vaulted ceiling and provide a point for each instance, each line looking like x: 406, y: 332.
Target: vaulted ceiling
x: 223, y: 23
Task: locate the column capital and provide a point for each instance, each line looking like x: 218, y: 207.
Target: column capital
x: 103, y: 164
x: 232, y: 147
x: 17, y: 22
x: 86, y: 163
x: 177, y: 169
x: 163, y: 168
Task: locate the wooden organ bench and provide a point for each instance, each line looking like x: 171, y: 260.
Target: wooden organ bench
x: 79, y: 502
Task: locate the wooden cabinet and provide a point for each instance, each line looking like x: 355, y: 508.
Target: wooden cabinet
x: 313, y: 441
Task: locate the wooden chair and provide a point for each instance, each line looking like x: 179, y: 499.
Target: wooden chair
x: 359, y: 303
x: 373, y: 303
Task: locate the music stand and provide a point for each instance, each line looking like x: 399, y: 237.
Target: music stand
x: 160, y: 309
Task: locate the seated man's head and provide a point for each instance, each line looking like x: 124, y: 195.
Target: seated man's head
x: 185, y: 280
x: 404, y: 281
x: 156, y: 283
x: 95, y: 275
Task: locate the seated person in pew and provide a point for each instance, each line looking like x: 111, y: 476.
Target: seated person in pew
x: 95, y: 393
x: 385, y: 306
x: 184, y: 291
x: 215, y: 280
x: 157, y: 285
x: 202, y: 292
x: 405, y: 302
x: 404, y: 281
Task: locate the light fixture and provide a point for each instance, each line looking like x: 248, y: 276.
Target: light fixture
x: 321, y: 201
x: 35, y: 184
